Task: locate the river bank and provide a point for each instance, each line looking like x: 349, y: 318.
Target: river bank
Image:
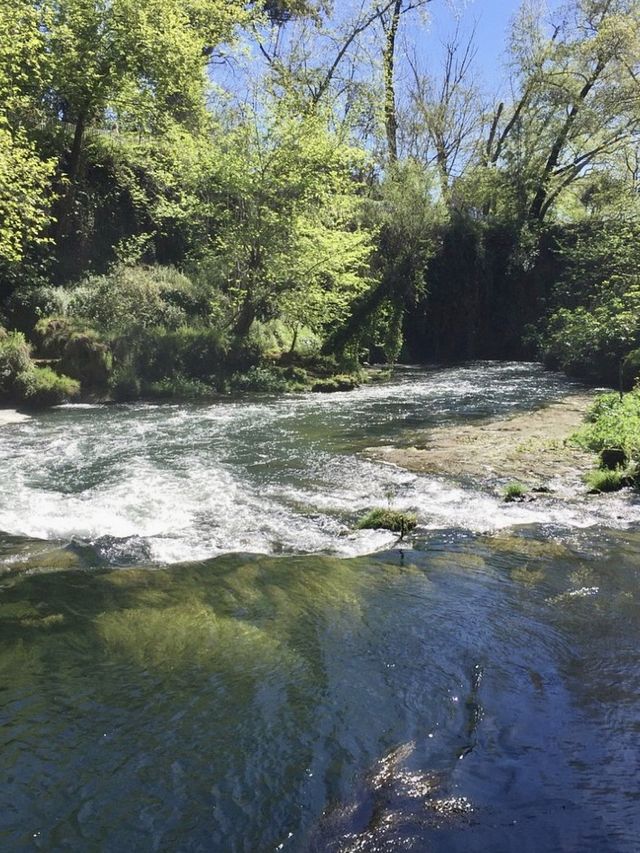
x: 530, y: 447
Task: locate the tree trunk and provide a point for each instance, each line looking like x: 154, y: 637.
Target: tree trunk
x: 389, y: 62
x: 67, y: 193
x: 245, y: 318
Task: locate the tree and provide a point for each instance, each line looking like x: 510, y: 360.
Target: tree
x: 579, y: 100
x: 24, y: 174
x: 447, y: 112
x: 120, y: 64
x: 287, y: 241
x: 390, y: 18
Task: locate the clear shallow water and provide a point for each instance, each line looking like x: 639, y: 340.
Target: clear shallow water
x: 478, y: 692
x: 175, y: 483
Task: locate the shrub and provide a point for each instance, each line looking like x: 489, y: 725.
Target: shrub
x: 133, y: 297
x: 613, y: 422
x: 388, y: 519
x: 41, y: 386
x: 15, y: 359
x: 594, y: 340
x: 342, y: 382
x: 514, y: 492
x: 86, y: 358
x: 261, y: 379
x: 124, y: 384
x: 631, y: 370
x: 606, y: 480
x: 194, y: 352
x: 52, y: 333
x: 180, y: 387
x: 28, y: 304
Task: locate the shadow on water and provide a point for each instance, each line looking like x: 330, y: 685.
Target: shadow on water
x: 479, y: 694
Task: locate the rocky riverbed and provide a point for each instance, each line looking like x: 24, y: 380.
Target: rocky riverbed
x: 531, y: 447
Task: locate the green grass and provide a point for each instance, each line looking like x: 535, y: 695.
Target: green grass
x: 613, y: 422
x: 40, y: 387
x: 514, y: 491
x: 602, y: 480
x: 388, y: 519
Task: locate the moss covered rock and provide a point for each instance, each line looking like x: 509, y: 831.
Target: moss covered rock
x: 86, y: 358
x: 388, y: 519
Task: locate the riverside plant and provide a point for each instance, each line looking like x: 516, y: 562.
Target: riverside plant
x: 514, y: 492
x: 388, y: 519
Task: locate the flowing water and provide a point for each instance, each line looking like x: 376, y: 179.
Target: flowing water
x: 198, y: 653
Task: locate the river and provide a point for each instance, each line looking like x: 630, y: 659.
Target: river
x: 197, y: 651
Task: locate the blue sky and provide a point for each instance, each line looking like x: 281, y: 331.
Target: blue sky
x: 493, y: 19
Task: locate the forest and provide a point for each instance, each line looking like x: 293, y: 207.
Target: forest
x: 209, y: 195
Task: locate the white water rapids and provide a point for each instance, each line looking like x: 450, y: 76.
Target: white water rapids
x: 171, y: 483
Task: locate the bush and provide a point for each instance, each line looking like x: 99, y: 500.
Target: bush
x: 41, y: 386
x: 86, y: 358
x: 51, y: 334
x: 180, y: 387
x: 388, y: 519
x: 15, y: 359
x: 194, y: 352
x: 28, y: 304
x: 514, y: 492
x: 606, y: 480
x: 342, y: 382
x: 593, y: 340
x: 265, y: 380
x: 613, y: 423
x: 124, y: 384
x: 133, y: 298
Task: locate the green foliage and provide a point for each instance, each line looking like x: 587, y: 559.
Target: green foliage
x: 51, y: 334
x: 124, y: 384
x: 514, y: 492
x: 179, y: 387
x: 87, y: 358
x: 32, y: 302
x: 594, y: 340
x: 606, y: 481
x: 614, y: 422
x: 290, y: 242
x: 132, y: 298
x: 24, y: 189
x: 388, y: 519
x: 340, y: 382
x: 15, y: 360
x: 21, y: 381
x: 40, y: 387
x: 631, y: 370
x: 260, y: 379
x: 192, y: 351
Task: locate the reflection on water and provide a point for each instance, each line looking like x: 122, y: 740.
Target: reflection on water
x: 460, y: 698
x: 479, y: 692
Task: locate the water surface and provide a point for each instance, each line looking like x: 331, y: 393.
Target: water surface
x: 476, y: 691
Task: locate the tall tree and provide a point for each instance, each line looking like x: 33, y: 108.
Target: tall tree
x: 579, y: 101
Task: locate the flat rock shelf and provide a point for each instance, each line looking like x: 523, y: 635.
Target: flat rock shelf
x: 529, y: 446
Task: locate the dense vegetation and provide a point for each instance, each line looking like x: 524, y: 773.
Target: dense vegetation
x: 201, y: 195
x: 613, y: 431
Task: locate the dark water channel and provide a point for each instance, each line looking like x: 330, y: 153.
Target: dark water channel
x: 161, y: 690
